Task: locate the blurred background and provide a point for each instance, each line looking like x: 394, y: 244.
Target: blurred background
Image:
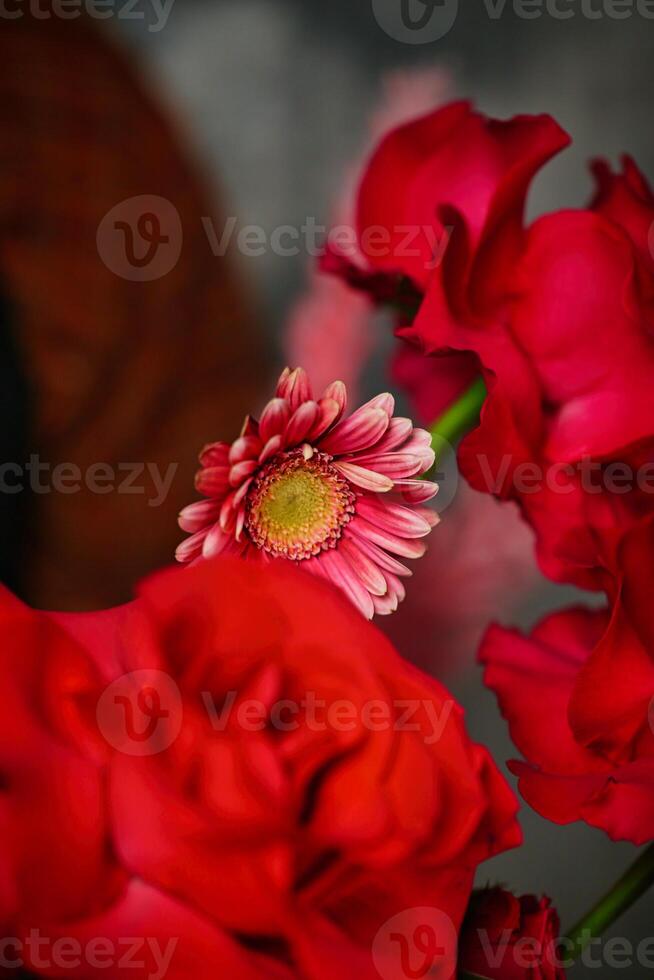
x: 258, y: 114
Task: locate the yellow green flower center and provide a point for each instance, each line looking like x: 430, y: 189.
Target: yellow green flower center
x: 298, y: 506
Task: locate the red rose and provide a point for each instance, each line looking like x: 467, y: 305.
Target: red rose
x: 271, y: 784
x: 579, y: 698
x: 509, y: 938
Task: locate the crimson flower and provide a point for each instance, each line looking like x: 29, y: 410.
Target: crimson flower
x: 337, y: 495
x: 451, y: 161
x: 559, y: 316
x: 578, y: 694
x: 423, y: 176
x: 582, y: 321
x: 227, y: 767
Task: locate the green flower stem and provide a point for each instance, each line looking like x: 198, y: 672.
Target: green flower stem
x: 461, y: 416
x: 627, y: 890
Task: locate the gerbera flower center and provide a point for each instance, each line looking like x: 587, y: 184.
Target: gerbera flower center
x: 298, y: 506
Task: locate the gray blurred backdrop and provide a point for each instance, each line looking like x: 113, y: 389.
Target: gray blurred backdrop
x: 275, y: 95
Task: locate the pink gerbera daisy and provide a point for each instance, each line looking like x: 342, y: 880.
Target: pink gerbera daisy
x: 337, y: 495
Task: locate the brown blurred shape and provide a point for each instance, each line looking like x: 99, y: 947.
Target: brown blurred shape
x: 121, y: 371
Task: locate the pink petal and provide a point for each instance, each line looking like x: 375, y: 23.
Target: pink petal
x: 330, y: 412
x: 417, y: 491
x: 192, y: 547
x: 366, y: 479
x: 273, y: 419
x: 245, y: 447
x: 405, y: 547
x: 432, y: 517
x: 212, y: 482
x: 301, y: 423
x: 395, y: 586
x: 294, y: 387
x: 240, y: 522
x: 420, y: 445
x: 398, y: 432
x: 393, y: 517
x: 199, y: 515
x: 385, y: 605
x: 227, y: 515
x: 215, y: 542
x: 218, y: 542
x: 215, y: 454
x: 250, y: 427
x: 241, y: 493
x: 271, y: 448
x: 385, y: 401
x: 360, y: 431
x: 342, y: 575
x: 337, y: 392
x: 281, y: 384
x: 242, y: 471
x: 368, y: 572
x: 420, y: 437
x: 377, y: 554
x: 428, y: 459
x: 316, y: 567
x: 398, y: 466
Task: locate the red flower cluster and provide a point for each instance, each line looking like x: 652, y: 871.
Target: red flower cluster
x: 236, y: 767
x: 559, y: 317
x: 211, y: 770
